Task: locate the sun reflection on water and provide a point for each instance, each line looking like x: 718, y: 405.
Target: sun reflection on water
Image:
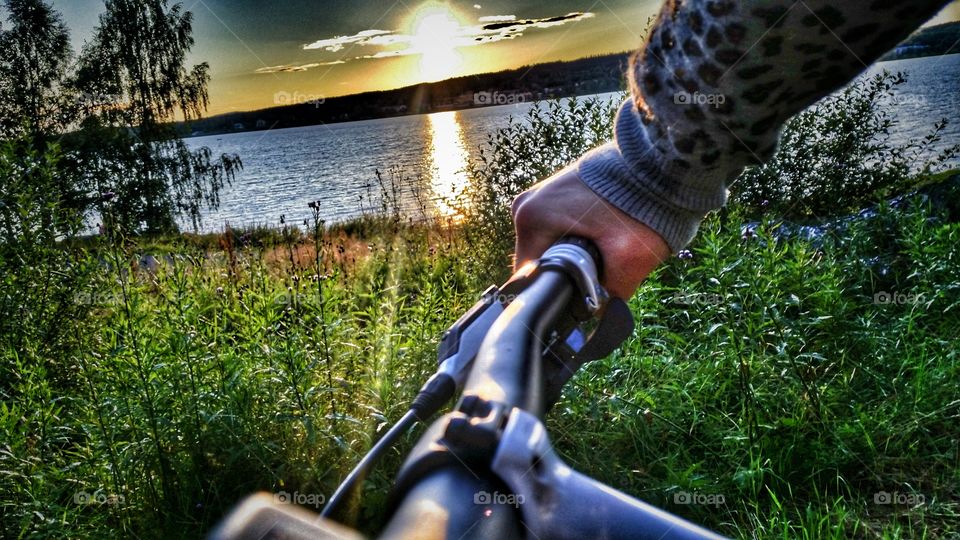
x: 448, y: 160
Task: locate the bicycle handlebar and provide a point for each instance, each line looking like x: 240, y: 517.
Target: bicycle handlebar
x: 451, y: 470
x: 508, y: 368
x: 508, y: 372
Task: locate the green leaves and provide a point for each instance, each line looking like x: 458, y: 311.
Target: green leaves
x: 837, y: 157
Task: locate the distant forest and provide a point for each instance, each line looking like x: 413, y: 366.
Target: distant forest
x: 932, y: 41
x: 555, y: 79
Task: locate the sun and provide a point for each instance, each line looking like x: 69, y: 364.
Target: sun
x: 435, y: 32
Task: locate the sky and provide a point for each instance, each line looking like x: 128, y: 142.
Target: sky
x: 263, y: 52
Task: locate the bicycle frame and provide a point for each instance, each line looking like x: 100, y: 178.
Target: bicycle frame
x: 487, y: 469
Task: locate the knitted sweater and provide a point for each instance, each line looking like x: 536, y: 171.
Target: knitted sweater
x: 712, y: 86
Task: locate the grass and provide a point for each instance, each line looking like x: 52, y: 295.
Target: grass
x: 764, y: 371
x: 768, y: 381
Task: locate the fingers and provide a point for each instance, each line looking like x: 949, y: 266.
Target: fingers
x: 534, y: 235
x: 564, y: 205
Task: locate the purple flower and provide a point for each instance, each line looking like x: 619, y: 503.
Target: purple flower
x: 685, y: 254
x: 765, y: 203
x: 107, y: 196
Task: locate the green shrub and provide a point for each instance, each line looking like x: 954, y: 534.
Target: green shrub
x: 838, y: 157
x: 44, y: 324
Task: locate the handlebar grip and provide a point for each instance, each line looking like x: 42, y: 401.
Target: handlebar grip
x: 587, y: 245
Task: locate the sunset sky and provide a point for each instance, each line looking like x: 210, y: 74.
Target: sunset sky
x: 330, y: 48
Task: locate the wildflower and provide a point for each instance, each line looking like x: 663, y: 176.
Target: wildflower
x: 312, y: 204
x: 765, y: 203
x: 107, y: 196
x: 685, y: 255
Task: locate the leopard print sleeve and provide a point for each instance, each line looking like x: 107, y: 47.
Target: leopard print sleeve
x: 712, y: 86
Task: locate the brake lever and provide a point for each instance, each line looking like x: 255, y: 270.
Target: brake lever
x: 461, y: 342
x: 580, y: 345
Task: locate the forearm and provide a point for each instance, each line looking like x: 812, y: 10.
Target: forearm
x: 712, y: 87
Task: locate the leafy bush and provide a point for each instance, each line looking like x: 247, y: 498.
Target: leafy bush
x: 40, y: 275
x: 44, y: 326
x: 837, y: 157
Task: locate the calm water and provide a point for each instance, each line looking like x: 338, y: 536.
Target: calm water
x: 284, y: 169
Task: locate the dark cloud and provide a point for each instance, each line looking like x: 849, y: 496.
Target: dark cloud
x: 537, y: 23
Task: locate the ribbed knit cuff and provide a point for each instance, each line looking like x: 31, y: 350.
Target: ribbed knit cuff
x: 629, y: 174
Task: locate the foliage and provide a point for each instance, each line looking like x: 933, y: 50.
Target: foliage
x: 789, y: 380
x: 34, y: 55
x: 42, y: 333
x: 111, y: 111
x: 136, y: 68
x: 39, y: 276
x: 837, y: 156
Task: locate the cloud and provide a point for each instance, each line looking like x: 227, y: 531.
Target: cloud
x: 366, y: 37
x: 492, y: 28
x: 489, y: 29
x: 497, y: 18
x: 286, y: 68
x: 499, y: 30
x: 535, y: 23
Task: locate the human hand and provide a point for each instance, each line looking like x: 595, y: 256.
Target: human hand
x: 563, y: 205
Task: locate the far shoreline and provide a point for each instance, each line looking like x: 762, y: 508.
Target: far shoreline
x: 467, y: 107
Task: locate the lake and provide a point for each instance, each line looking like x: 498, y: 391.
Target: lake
x: 284, y: 169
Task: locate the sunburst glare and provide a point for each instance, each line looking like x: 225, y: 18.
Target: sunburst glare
x: 435, y: 30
